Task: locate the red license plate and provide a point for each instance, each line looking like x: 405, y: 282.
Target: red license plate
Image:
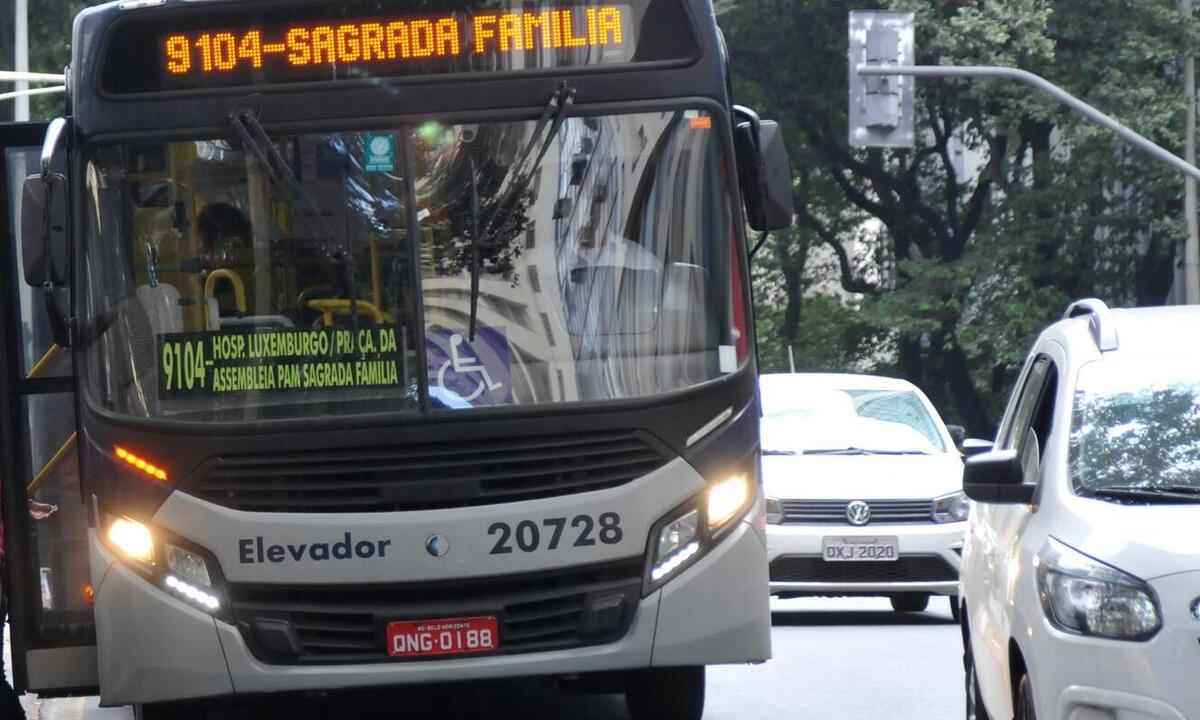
x: 450, y: 636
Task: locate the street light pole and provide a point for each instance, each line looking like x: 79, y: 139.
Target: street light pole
x: 1190, y: 287
x: 21, y: 48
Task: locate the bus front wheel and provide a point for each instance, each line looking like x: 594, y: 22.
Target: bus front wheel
x: 675, y: 693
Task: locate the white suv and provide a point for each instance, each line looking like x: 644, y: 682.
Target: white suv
x: 1081, y: 570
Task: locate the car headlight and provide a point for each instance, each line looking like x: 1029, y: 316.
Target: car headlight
x: 682, y: 536
x: 1084, y: 596
x: 774, y: 511
x: 951, y: 508
x: 164, y: 561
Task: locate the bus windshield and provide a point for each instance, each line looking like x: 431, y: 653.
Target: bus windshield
x: 322, y: 274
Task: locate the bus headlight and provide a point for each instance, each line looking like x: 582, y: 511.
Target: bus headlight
x: 682, y: 536
x: 678, y: 542
x: 727, y: 499
x: 188, y: 566
x: 165, y: 561
x: 132, y: 539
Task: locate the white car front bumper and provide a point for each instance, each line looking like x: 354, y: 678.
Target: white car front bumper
x: 929, y: 559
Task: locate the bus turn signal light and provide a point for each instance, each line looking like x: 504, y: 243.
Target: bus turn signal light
x: 140, y: 463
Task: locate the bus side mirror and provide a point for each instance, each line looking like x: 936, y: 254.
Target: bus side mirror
x: 43, y: 233
x: 958, y: 434
x: 44, y: 260
x: 764, y: 172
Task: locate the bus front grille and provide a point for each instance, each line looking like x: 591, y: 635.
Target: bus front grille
x: 429, y: 476
x: 341, y: 624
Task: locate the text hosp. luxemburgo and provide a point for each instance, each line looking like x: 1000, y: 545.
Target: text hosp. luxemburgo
x: 381, y: 41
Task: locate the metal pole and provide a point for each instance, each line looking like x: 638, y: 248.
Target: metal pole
x: 791, y: 358
x: 7, y: 76
x: 21, y: 102
x: 1039, y: 83
x: 1190, y: 286
x: 26, y: 93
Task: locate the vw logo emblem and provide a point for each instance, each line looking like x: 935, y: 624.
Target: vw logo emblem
x: 858, y: 513
x: 437, y: 546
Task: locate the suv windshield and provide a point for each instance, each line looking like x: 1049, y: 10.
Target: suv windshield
x: 225, y: 286
x: 1137, y: 425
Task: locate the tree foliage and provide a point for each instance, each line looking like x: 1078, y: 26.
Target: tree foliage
x: 1007, y: 207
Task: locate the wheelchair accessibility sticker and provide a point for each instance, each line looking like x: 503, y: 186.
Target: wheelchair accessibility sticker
x: 465, y: 374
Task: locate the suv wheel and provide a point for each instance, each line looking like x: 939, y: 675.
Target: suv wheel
x: 675, y: 693
x: 910, y: 602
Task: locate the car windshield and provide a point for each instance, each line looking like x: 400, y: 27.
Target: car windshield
x: 830, y: 435
x: 1136, y: 425
x: 302, y: 275
x: 902, y: 408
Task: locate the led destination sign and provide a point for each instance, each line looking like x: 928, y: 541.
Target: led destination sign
x: 219, y: 363
x: 257, y: 44
x: 372, y: 42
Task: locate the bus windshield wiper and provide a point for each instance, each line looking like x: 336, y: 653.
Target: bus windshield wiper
x: 553, y: 114
x: 779, y: 452
x: 1150, y: 493
x: 852, y: 450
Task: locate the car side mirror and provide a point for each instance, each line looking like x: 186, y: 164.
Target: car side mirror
x: 996, y: 477
x: 974, y: 446
x: 958, y: 434
x: 764, y: 172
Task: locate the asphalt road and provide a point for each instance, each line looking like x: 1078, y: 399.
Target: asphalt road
x: 846, y: 659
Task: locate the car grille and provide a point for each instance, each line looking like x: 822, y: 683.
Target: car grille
x: 429, y: 476
x: 834, y: 511
x: 908, y: 568
x: 348, y: 623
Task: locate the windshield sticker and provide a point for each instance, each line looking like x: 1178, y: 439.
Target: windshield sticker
x: 381, y: 153
x: 218, y: 363
x: 465, y: 374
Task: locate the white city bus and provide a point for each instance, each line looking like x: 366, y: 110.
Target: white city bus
x: 356, y: 345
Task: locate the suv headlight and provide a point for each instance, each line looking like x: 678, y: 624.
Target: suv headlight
x: 1084, y: 596
x: 682, y: 536
x: 951, y: 508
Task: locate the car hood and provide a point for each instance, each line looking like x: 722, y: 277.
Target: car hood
x: 1147, y: 541
x: 861, y: 477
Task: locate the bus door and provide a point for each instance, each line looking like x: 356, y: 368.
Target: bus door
x: 46, y: 526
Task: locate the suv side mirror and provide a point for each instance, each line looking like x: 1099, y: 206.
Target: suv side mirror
x: 958, y: 434
x: 974, y: 446
x: 997, y: 477
x: 764, y: 172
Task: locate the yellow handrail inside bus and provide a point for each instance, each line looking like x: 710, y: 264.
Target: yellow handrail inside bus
x: 376, y: 279
x: 50, y: 466
x: 239, y: 287
x: 328, y: 307
x: 40, y: 366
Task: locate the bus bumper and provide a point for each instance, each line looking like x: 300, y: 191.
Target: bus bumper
x: 154, y: 647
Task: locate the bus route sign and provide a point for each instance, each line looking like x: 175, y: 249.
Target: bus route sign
x: 241, y: 361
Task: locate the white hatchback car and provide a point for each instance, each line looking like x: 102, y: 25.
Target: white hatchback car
x: 864, y: 489
x: 1081, y: 570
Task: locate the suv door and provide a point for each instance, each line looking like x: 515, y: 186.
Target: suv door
x: 45, y: 520
x: 1027, y: 429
